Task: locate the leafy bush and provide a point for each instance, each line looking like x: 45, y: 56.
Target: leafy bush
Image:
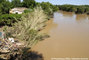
x: 28, y: 10
x: 9, y: 19
x: 48, y: 8
x: 5, y: 7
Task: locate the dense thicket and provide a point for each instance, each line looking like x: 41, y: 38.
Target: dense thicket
x: 74, y: 8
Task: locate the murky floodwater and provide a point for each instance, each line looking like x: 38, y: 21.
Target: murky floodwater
x: 69, y: 37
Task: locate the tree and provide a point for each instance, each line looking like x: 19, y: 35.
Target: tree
x: 72, y: 9
x: 80, y: 10
x: 2, y: 1
x: 86, y: 10
x: 0, y: 9
x: 9, y: 19
x: 5, y: 7
x: 29, y: 3
x: 16, y: 3
x: 48, y: 8
x: 75, y: 8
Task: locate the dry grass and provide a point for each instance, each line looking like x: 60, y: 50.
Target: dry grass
x: 26, y: 30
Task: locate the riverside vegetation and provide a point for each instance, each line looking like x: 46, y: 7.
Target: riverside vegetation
x: 78, y: 9
x: 26, y: 31
x: 23, y: 27
x: 8, y: 19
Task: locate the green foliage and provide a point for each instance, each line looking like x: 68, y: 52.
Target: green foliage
x: 9, y: 19
x: 0, y: 9
x: 28, y: 10
x: 80, y: 10
x: 55, y: 8
x: 2, y: 1
x: 48, y: 8
x: 16, y: 3
x: 38, y: 4
x: 70, y: 8
x: 29, y: 3
x: 74, y: 8
x: 5, y: 7
x: 86, y: 9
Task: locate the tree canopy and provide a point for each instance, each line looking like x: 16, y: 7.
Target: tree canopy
x: 80, y: 9
x: 16, y: 3
x: 5, y: 7
x: 29, y: 3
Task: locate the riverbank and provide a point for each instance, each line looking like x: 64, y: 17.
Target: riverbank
x: 26, y: 31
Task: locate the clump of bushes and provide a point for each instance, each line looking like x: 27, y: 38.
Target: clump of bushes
x: 48, y: 8
x: 28, y: 10
x: 9, y: 19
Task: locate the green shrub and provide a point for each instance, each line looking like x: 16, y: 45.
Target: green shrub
x: 28, y: 10
x: 9, y: 19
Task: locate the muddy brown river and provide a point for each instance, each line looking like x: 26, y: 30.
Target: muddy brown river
x: 69, y: 37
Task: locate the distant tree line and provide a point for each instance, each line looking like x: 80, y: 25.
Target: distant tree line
x: 6, y: 5
x: 79, y: 9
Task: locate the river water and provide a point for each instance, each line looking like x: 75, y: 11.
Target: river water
x: 69, y: 36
